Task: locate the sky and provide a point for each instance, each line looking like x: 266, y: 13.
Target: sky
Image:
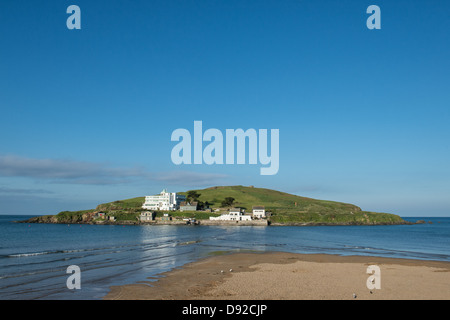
x: 86, y: 115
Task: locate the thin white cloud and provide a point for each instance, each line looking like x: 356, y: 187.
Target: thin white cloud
x: 8, y: 190
x: 68, y: 171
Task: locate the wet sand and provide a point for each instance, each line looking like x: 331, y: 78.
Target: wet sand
x: 291, y: 276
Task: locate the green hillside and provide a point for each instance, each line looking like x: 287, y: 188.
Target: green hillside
x: 284, y: 208
x: 246, y: 197
x: 289, y: 208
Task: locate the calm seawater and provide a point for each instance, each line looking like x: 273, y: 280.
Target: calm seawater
x: 34, y: 257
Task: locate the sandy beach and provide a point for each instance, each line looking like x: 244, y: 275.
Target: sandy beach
x: 290, y: 276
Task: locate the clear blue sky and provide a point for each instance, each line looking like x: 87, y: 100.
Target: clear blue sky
x: 87, y: 115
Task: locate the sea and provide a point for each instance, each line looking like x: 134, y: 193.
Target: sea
x: 35, y: 258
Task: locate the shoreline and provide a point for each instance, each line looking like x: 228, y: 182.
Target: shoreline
x: 292, y: 276
x: 206, y: 222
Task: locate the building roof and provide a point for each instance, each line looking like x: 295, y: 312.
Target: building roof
x: 259, y: 208
x: 190, y: 204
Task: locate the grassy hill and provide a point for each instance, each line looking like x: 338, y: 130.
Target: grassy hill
x: 285, y: 208
x: 246, y: 197
x: 290, y: 209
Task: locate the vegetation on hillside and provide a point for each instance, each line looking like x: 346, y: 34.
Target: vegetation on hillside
x: 290, y: 209
x: 283, y: 208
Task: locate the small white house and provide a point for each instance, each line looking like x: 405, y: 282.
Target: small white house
x: 235, y: 214
x: 259, y: 212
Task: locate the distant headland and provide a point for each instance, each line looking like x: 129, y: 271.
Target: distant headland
x: 224, y: 205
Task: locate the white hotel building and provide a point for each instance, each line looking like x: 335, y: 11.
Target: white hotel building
x: 165, y: 201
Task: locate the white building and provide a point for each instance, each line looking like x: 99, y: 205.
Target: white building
x: 165, y: 201
x: 259, y: 212
x: 235, y: 214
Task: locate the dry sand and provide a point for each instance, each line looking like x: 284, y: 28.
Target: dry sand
x: 290, y: 276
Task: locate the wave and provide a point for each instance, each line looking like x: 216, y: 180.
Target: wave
x: 19, y: 255
x: 101, y: 249
x: 31, y: 254
x: 188, y: 242
x: 397, y: 253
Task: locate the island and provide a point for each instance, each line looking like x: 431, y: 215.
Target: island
x: 226, y: 205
